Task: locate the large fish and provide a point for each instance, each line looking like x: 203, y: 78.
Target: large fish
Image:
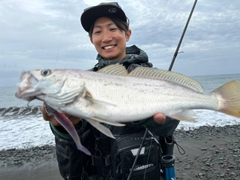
x: 113, y: 96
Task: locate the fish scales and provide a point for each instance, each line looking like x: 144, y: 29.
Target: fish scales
x: 128, y: 99
x: 113, y: 96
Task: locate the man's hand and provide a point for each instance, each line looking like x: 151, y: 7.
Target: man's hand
x: 52, y: 119
x: 159, y: 118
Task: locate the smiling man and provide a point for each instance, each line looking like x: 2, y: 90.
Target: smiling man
x: 112, y: 159
x: 109, y: 40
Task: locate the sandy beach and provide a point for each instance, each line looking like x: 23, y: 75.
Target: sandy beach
x: 210, y: 153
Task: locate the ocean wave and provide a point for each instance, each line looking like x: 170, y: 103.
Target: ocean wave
x: 20, y: 111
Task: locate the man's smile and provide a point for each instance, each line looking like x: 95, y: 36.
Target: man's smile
x: 108, y: 47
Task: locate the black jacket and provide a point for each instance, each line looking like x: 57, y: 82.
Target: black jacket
x: 74, y: 164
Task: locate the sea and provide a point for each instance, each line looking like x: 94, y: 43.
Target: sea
x: 22, y: 125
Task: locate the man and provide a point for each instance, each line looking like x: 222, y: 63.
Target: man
x: 108, y: 29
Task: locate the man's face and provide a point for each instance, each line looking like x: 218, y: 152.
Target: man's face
x: 109, y: 40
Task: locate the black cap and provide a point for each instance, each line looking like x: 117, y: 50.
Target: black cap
x: 109, y: 9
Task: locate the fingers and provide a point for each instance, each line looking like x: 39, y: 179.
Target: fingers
x: 44, y: 112
x: 52, y: 119
x: 74, y: 119
x: 46, y: 117
x: 159, y: 118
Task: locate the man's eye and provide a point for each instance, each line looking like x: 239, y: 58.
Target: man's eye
x: 97, y: 32
x: 113, y: 29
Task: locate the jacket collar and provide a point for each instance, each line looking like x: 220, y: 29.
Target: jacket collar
x: 134, y: 55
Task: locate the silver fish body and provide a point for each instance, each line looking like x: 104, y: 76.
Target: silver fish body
x: 114, y: 96
x: 121, y: 99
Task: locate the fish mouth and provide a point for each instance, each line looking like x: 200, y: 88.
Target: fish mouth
x: 27, y: 89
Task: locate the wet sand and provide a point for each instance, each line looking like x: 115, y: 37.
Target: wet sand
x: 210, y: 153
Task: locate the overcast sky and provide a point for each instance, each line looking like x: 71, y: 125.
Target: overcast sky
x: 48, y: 34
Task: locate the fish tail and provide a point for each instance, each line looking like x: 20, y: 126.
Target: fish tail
x: 229, y: 98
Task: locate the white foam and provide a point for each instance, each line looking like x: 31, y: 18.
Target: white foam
x: 30, y: 131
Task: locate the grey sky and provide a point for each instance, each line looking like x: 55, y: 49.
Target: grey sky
x: 47, y: 34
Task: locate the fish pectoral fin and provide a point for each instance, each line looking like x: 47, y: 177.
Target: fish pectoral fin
x: 185, y: 115
x: 99, y: 102
x: 107, y: 122
x: 100, y: 127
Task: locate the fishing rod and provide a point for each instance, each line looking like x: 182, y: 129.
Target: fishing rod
x: 170, y: 68
x: 180, y: 41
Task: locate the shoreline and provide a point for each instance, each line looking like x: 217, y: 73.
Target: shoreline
x: 210, y: 153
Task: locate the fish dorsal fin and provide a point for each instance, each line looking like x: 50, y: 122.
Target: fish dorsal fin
x: 114, y: 69
x: 174, y: 77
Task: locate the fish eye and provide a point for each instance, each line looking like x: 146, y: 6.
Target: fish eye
x: 46, y: 72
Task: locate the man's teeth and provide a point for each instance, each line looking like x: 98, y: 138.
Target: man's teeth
x: 108, y: 47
